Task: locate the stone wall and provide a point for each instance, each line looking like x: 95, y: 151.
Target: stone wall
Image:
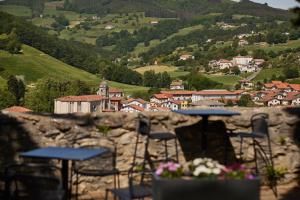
x: 22, y: 132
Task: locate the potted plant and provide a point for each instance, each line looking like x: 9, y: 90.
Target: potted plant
x: 204, y: 178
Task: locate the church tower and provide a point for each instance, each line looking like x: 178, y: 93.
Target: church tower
x: 103, y: 89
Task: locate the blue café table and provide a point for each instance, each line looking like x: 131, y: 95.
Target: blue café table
x: 65, y: 154
x: 205, y: 113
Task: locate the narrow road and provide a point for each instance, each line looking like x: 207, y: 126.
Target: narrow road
x: 252, y: 76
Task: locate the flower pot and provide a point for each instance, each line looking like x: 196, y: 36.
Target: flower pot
x: 206, y: 189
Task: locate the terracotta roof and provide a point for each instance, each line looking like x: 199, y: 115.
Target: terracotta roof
x: 215, y: 92
x: 295, y: 87
x: 82, y: 98
x: 180, y: 92
x: 268, y: 85
x: 291, y: 96
x: 267, y: 98
x: 115, y: 90
x: 142, y: 101
x: 162, y: 96
x: 136, y: 107
x: 17, y: 109
x: 282, y: 85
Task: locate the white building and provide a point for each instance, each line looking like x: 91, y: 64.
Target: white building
x: 186, y: 57
x: 177, y: 85
x: 173, y: 105
x: 216, y: 95
x: 132, y: 108
x: 242, y: 60
x: 83, y: 104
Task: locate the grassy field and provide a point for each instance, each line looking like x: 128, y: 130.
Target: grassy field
x: 226, y: 80
x: 276, y: 47
x: 140, y: 48
x: 128, y: 89
x: 156, y: 68
x: 21, y: 11
x: 33, y: 64
x: 268, y: 73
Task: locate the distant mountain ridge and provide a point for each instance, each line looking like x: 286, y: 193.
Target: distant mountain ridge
x: 176, y: 8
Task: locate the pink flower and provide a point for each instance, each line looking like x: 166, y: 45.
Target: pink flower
x: 159, y: 171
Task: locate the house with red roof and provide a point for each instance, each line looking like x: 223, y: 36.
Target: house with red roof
x: 181, y: 95
x: 18, y: 109
x: 279, y: 85
x: 138, y: 102
x: 160, y: 98
x: 172, y: 104
x: 132, y: 108
x: 293, y: 98
x: 115, y: 92
x: 82, y: 104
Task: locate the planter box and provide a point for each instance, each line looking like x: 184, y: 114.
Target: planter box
x: 198, y: 189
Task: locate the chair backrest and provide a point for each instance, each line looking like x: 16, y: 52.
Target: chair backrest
x: 104, y: 163
x: 259, y: 123
x: 143, y: 125
x: 35, y: 181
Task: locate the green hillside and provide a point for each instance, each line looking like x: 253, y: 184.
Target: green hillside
x: 34, y: 64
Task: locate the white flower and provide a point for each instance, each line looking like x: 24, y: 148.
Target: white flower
x: 216, y: 171
x: 197, y: 161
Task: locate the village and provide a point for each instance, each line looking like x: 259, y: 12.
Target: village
x: 275, y: 93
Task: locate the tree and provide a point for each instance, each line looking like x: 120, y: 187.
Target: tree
x: 17, y: 88
x: 276, y: 38
x: 6, y: 99
x: 296, y: 10
x: 150, y: 78
x: 165, y: 80
x: 236, y: 70
x: 41, y: 98
x: 245, y: 101
x: 13, y: 44
x: 291, y: 72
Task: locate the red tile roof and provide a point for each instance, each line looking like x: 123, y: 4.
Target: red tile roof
x: 142, y: 101
x: 178, y: 92
x: 17, y: 109
x: 162, y: 96
x: 291, y: 96
x: 83, y: 98
x: 137, y: 107
x: 215, y: 92
x: 295, y: 87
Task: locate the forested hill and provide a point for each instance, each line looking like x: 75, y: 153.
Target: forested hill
x: 162, y: 8
x: 82, y: 56
x: 175, y: 8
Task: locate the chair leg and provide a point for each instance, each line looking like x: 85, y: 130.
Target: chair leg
x: 255, y: 156
x: 166, y: 150
x: 176, y: 150
x: 106, y: 194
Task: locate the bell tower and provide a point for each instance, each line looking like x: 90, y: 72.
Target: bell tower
x: 103, y: 89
